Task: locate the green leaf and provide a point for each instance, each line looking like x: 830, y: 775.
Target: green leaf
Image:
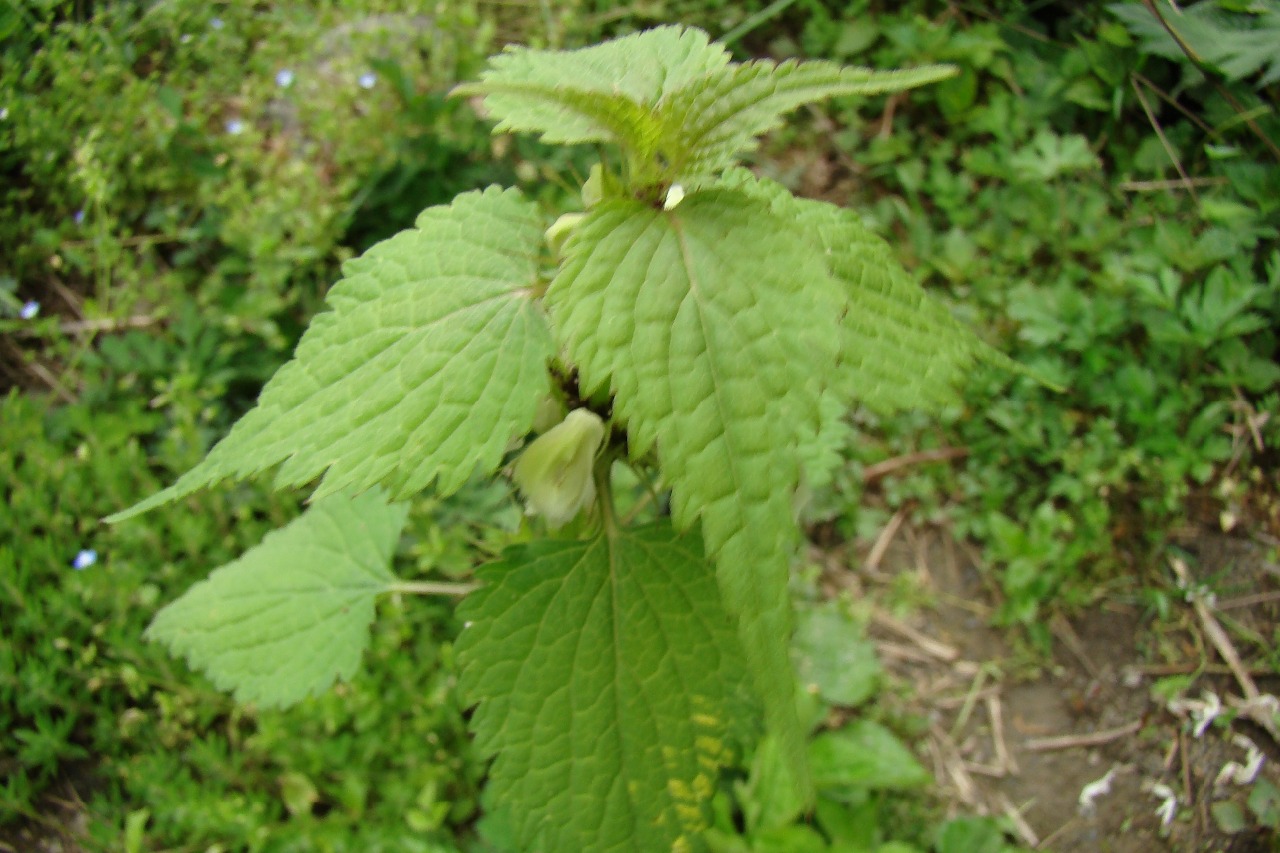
x: 1237, y: 45
x: 1229, y: 817
x: 970, y: 835
x: 1049, y: 156
x: 790, y: 839
x: 431, y: 360
x: 864, y: 754
x: 768, y: 797
x: 604, y: 671
x: 900, y: 348
x: 604, y: 93
x: 1264, y: 802
x: 834, y: 657
x: 709, y: 124
x: 710, y: 325
x: 292, y: 615
x: 824, y: 454
x: 668, y: 96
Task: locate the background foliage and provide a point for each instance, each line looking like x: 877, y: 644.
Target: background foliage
x: 181, y: 181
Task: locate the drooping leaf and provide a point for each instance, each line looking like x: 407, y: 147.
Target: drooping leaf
x: 292, y: 615
x: 605, y: 671
x: 431, y: 360
x: 668, y: 96
x: 713, y: 326
x: 900, y: 347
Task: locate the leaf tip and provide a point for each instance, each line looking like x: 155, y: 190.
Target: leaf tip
x: 142, y: 506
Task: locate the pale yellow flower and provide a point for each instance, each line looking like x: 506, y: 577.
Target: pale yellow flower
x: 554, y: 472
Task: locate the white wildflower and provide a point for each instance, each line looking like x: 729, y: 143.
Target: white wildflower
x: 1169, y: 803
x: 1095, y: 789
x: 1237, y: 773
x: 1203, y: 711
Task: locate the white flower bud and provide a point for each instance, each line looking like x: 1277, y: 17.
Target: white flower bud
x: 675, y: 195
x: 554, y: 472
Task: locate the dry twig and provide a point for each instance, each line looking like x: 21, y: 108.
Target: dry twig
x: 887, y: 648
x: 935, y: 648
x: 1213, y: 629
x: 1014, y: 814
x: 884, y: 539
x: 1164, y: 141
x: 955, y: 766
x: 1062, y: 628
x: 888, y: 466
x: 996, y: 712
x: 1050, y: 744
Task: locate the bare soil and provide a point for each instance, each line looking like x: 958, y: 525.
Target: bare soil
x: 1013, y: 734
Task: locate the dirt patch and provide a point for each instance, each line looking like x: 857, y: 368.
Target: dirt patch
x: 60, y: 822
x: 1083, y: 751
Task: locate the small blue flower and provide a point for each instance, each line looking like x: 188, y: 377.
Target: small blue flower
x: 29, y: 309
x: 86, y: 558
x: 235, y: 127
x: 284, y: 78
x: 78, y: 216
x: 216, y: 23
x: 368, y: 80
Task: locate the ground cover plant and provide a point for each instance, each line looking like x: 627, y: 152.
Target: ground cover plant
x: 1082, y: 191
x: 150, y: 188
x: 1104, y: 208
x: 695, y: 323
x: 1132, y: 263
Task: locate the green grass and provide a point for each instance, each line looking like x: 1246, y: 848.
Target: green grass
x: 175, y: 256
x: 204, y: 204
x: 1036, y: 190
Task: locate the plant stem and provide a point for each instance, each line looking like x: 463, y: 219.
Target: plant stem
x: 432, y: 588
x: 773, y: 9
x: 604, y: 494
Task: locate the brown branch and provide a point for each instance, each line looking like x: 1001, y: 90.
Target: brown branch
x: 1211, y: 75
x: 1173, y: 102
x: 1050, y: 744
x: 105, y: 324
x: 888, y: 466
x: 1164, y: 140
x: 932, y: 647
x: 884, y: 538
